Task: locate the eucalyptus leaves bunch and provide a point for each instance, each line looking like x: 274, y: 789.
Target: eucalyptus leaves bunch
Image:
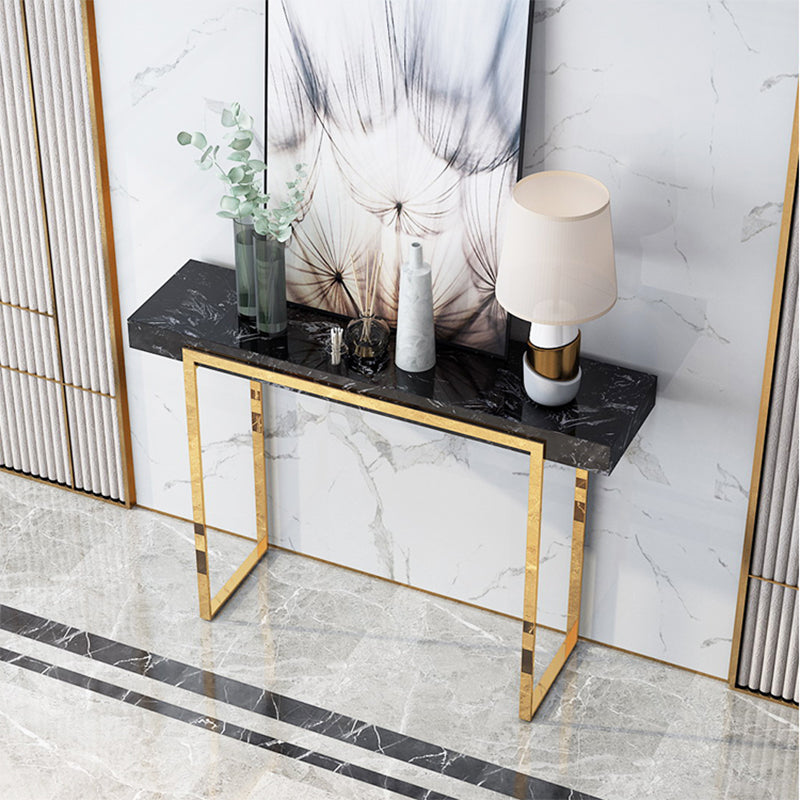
x: 243, y: 197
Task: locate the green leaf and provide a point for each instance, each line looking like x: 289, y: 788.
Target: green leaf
x: 206, y: 154
x: 242, y: 140
x: 256, y: 164
x: 240, y: 191
x: 199, y: 140
x: 228, y: 203
x: 205, y: 164
x: 228, y: 120
x: 243, y: 155
x: 244, y: 120
x: 184, y: 138
x: 246, y: 209
x: 236, y: 174
x: 226, y: 214
x: 235, y: 109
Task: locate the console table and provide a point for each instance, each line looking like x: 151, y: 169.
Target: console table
x: 193, y: 317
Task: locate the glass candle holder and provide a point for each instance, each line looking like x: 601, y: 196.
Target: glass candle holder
x: 366, y: 340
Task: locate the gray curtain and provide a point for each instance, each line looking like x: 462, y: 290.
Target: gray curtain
x: 768, y: 657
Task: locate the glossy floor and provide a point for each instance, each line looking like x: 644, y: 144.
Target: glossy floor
x: 316, y: 682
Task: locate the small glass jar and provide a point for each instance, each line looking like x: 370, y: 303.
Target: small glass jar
x: 366, y: 341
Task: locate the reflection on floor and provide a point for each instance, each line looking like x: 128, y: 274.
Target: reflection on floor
x: 315, y: 682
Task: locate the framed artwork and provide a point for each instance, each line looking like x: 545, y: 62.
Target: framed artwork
x: 407, y: 115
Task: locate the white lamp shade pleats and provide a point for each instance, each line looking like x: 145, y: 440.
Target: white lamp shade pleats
x: 557, y: 263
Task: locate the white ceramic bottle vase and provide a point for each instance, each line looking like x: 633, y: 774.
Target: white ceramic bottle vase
x: 415, y: 350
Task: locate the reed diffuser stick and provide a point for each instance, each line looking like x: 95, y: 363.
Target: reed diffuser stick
x: 358, y: 297
x: 365, y: 298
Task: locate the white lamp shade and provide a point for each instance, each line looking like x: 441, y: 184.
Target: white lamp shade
x: 557, y: 263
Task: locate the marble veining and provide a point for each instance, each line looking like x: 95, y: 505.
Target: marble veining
x: 614, y: 726
x: 264, y: 702
x: 230, y: 730
x: 196, y: 308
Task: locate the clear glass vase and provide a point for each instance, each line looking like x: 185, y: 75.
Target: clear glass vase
x: 245, y: 268
x: 270, y: 269
x: 366, y: 340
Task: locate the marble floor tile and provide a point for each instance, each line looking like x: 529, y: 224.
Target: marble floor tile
x: 378, y: 682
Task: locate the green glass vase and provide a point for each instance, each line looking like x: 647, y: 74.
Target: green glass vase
x: 270, y: 269
x: 244, y: 259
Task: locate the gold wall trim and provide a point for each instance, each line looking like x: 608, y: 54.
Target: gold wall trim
x: 56, y: 381
x: 752, y: 693
x: 774, y: 583
x: 25, y: 308
x: 46, y: 224
x: 766, y: 392
x: 109, y: 250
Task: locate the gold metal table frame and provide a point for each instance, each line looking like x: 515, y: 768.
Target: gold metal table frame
x: 530, y: 695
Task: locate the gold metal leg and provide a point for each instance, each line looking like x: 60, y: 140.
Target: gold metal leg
x: 530, y: 696
x: 531, y: 590
x: 259, y: 465
x: 209, y: 606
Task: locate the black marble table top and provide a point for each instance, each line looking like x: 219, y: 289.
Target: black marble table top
x: 196, y: 308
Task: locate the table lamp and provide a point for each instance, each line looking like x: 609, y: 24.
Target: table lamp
x: 556, y: 270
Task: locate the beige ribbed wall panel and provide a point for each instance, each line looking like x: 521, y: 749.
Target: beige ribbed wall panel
x: 58, y: 393
x: 24, y: 270
x: 32, y: 431
x: 28, y: 342
x: 93, y: 418
x: 768, y: 656
x: 62, y: 109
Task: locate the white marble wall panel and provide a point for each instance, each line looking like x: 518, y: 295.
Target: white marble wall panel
x: 167, y: 67
x: 412, y: 504
x: 684, y: 110
x: 227, y: 439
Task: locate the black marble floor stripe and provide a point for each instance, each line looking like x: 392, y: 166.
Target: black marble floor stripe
x: 221, y: 727
x: 390, y: 743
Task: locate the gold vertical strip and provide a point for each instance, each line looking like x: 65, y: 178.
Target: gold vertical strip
x: 259, y: 466
x: 576, y: 559
x: 109, y: 251
x: 766, y: 395
x: 46, y: 224
x: 196, y: 469
x: 531, y: 590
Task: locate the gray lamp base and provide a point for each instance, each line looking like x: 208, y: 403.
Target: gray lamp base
x: 548, y: 392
